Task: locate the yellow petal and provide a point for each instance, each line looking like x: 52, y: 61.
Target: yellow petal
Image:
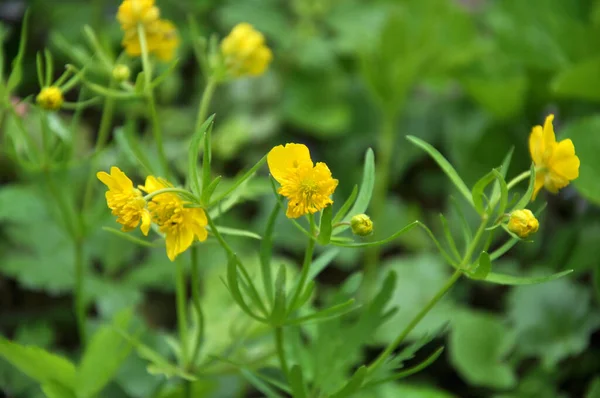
x: 563, y: 161
x: 107, y: 180
x: 172, y: 243
x: 281, y: 159
x: 154, y: 184
x: 200, y: 232
x: 146, y: 222
x: 536, y: 145
x: 121, y: 178
x: 549, y: 137
x: 539, y: 184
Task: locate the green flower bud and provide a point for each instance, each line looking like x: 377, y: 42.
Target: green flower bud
x: 361, y: 225
x: 121, y: 73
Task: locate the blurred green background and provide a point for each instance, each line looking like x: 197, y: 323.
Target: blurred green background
x: 469, y: 76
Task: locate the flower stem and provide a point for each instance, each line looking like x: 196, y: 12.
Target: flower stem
x: 207, y: 95
x: 147, y: 68
x: 385, y: 147
x: 305, y: 266
x: 438, y: 296
x: 181, y: 311
x: 523, y: 176
x: 414, y: 322
x: 79, y: 299
x: 281, y: 351
x: 103, y: 133
x: 181, y: 191
x: 195, y: 281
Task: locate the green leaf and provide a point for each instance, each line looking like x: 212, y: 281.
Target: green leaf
x: 16, y: 74
x: 552, y: 320
x: 234, y: 288
x: 158, y: 364
x: 366, y: 188
x: 297, y: 382
x: 346, y: 206
x: 477, y: 193
x: 354, y: 384
x: 238, y: 232
x: 579, y: 81
x: 103, y: 356
x: 39, y: 364
x: 278, y: 313
x: 449, y: 238
x: 444, y: 165
x: 411, y: 371
x: 503, y: 170
x: 484, y: 267
x: 260, y: 385
x: 331, y: 312
x: 193, y: 176
x: 478, y: 343
x: 503, y: 279
x: 208, y: 192
x: 56, y: 390
x: 325, y: 226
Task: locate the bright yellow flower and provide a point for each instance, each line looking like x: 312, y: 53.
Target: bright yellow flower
x: 556, y: 162
x: 125, y: 201
x: 307, y: 187
x: 180, y: 224
x: 134, y: 12
x: 162, y: 40
x: 523, y: 223
x: 245, y: 51
x: 50, y: 98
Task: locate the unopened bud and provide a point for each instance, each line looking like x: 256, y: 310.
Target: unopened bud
x: 50, y: 98
x: 121, y: 73
x: 361, y: 225
x: 523, y: 223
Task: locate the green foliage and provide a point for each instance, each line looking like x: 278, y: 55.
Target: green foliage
x: 552, y: 320
x: 478, y: 344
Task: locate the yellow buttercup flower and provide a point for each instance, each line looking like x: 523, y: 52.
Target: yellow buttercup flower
x: 245, y: 52
x: 523, y: 223
x: 307, y: 187
x: 50, y: 98
x: 556, y: 162
x: 131, y: 13
x: 161, y: 35
x: 180, y: 224
x: 125, y: 201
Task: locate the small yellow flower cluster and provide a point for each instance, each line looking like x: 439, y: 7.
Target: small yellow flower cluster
x: 160, y: 35
x: 179, y: 224
x: 556, y: 162
x: 50, y: 98
x: 307, y: 186
x: 245, y: 52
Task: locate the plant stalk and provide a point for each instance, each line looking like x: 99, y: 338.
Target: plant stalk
x: 156, y: 129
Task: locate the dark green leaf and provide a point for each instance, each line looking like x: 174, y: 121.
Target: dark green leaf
x: 354, y: 384
x: 484, y: 267
x: 279, y: 304
x: 325, y: 226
